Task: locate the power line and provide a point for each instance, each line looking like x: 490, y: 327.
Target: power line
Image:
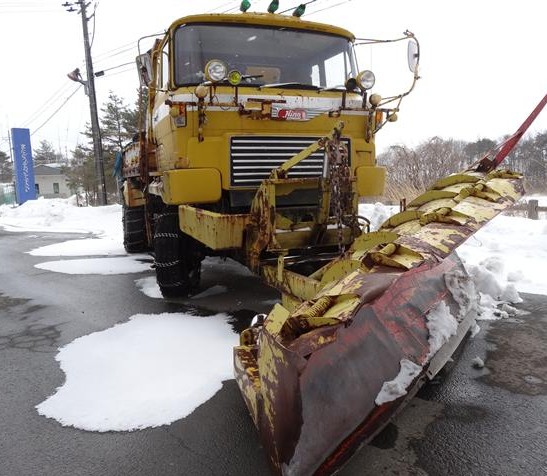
x: 56, y: 111
x: 127, y: 70
x: 43, y: 108
x: 329, y: 7
x: 296, y: 6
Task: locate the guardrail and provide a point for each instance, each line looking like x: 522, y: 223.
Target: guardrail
x: 531, y: 208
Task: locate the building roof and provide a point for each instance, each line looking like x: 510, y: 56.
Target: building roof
x: 47, y: 170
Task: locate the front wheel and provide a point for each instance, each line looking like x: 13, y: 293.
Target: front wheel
x: 134, y: 229
x: 178, y: 258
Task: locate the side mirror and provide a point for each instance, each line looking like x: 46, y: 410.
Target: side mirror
x: 144, y: 66
x: 413, y: 55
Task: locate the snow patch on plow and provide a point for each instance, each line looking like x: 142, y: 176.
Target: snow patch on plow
x: 396, y: 388
x: 441, y: 325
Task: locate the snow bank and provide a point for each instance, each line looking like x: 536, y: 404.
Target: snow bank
x: 509, y: 250
x: 376, y: 213
x: 147, y: 372
x: 62, y: 215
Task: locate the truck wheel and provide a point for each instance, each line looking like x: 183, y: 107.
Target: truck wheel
x: 134, y: 230
x: 178, y: 258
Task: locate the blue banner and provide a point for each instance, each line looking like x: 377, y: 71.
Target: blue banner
x: 24, y: 167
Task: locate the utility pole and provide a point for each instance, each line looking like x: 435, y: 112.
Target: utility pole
x: 90, y: 91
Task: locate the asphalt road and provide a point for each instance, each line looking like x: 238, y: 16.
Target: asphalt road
x: 491, y: 421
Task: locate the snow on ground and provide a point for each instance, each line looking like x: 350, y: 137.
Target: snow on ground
x: 105, y: 246
x: 117, y: 265
x: 138, y: 374
x: 377, y: 213
x: 149, y: 287
x: 147, y: 372
x: 512, y: 249
x: 59, y: 215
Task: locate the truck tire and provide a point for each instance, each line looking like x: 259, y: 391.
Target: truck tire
x: 178, y: 258
x: 134, y: 229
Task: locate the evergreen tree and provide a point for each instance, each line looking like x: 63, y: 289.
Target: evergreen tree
x: 6, y: 169
x: 118, y: 125
x: 45, y: 154
x: 81, y: 176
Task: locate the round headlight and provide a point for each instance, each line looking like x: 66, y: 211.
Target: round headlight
x: 366, y: 79
x: 234, y: 77
x: 216, y: 70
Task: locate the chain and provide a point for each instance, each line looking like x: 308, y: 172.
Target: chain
x: 341, y: 189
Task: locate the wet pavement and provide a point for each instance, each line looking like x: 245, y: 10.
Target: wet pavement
x: 489, y: 421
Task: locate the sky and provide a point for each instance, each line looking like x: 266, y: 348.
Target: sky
x: 483, y: 67
x: 147, y: 355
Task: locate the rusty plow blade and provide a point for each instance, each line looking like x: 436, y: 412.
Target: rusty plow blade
x: 325, y: 376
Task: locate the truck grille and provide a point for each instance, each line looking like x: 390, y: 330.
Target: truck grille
x: 254, y: 157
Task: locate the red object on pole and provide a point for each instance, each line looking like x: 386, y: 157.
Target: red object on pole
x: 501, y: 151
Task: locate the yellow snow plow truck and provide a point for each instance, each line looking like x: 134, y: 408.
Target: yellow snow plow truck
x: 232, y: 158
x: 257, y: 144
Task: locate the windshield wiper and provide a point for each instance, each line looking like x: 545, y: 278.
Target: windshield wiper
x: 290, y: 85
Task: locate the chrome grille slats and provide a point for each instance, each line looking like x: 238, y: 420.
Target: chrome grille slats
x: 253, y: 157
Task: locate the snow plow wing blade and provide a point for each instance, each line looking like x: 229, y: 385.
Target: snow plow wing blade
x: 322, y: 376
x: 312, y: 377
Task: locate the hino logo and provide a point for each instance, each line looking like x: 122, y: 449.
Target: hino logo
x: 292, y: 114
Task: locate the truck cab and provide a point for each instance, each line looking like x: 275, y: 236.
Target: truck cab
x: 231, y: 98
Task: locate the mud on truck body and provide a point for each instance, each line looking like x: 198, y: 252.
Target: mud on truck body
x: 231, y: 159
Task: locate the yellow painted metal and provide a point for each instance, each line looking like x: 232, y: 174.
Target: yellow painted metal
x: 397, y: 257
x: 300, y: 238
x: 431, y: 195
x: 466, y: 177
x: 292, y: 284
x: 216, y: 230
x: 132, y: 196
x: 247, y: 369
x: 339, y: 269
x: 191, y: 186
x: 290, y: 302
x: 398, y: 219
x: 408, y: 237
x: 180, y: 147
x: 276, y: 319
x: 264, y: 19
x: 370, y: 181
x: 343, y: 307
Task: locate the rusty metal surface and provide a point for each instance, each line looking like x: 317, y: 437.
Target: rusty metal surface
x: 318, y: 389
x: 319, y: 367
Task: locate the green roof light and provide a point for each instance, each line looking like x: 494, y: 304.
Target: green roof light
x: 272, y: 8
x: 299, y: 10
x: 245, y: 5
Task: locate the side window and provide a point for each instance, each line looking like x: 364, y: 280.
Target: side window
x: 165, y: 67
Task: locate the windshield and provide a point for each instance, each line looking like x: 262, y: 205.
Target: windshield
x: 264, y: 55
